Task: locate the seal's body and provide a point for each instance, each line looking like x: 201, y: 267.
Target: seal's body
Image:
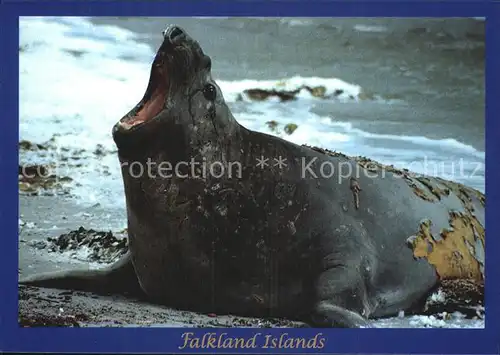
x: 229, y: 220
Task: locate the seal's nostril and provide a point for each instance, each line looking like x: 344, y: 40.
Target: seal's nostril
x: 175, y: 32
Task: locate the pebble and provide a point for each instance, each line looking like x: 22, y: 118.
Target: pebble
x: 38, y: 244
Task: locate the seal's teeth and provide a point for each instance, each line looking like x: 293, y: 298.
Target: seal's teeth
x: 125, y: 126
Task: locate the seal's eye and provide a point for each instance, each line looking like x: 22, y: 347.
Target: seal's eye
x: 210, y: 92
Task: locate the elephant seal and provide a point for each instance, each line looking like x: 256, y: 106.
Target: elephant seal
x: 227, y: 220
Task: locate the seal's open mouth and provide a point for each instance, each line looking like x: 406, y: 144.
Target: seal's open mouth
x: 154, y: 99
x: 168, y: 66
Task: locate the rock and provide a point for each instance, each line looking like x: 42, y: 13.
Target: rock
x: 99, y: 150
x: 39, y: 180
x: 320, y: 92
x: 290, y: 128
x: 104, y: 246
x: 261, y: 94
x: 464, y: 296
x: 272, y: 125
x: 37, y: 244
x: 27, y: 145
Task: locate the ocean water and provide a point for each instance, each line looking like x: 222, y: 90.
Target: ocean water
x: 412, y: 89
x: 83, y: 74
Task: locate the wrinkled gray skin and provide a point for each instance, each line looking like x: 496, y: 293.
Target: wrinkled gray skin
x: 271, y: 242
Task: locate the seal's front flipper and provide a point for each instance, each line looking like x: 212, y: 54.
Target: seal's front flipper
x: 118, y: 278
x: 326, y: 315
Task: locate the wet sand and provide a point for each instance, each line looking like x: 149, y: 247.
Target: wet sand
x: 49, y: 307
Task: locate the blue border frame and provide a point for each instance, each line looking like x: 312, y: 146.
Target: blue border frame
x: 14, y: 338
